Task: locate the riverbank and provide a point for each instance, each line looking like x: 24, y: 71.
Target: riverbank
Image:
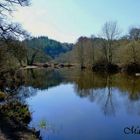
x: 101, y: 67
x: 14, y: 119
x: 132, y: 68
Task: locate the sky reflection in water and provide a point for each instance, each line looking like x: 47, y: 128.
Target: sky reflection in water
x: 80, y: 108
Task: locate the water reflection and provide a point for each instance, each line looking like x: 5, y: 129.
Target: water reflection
x: 100, y: 88
x: 62, y: 98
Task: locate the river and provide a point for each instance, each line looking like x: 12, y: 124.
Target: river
x: 70, y: 104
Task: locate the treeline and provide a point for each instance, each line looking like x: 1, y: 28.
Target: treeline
x: 15, y: 53
x: 17, y: 48
x: 108, y: 52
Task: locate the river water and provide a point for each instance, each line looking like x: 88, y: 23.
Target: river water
x: 69, y: 104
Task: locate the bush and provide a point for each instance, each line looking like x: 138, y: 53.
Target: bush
x: 106, y: 67
x: 132, y: 68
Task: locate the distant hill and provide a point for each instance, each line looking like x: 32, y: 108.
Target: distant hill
x: 48, y: 46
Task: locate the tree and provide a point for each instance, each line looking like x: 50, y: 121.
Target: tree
x: 134, y: 52
x: 134, y: 33
x: 80, y: 49
x: 132, y: 47
x: 7, y: 28
x: 93, y: 48
x: 9, y: 5
x: 110, y: 32
x: 31, y: 55
x: 10, y: 32
x: 18, y: 50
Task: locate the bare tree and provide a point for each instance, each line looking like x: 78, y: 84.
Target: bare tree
x: 110, y: 32
x: 8, y: 29
x: 11, y: 30
x: 9, y: 5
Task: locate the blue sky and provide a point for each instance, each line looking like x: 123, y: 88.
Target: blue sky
x: 66, y: 20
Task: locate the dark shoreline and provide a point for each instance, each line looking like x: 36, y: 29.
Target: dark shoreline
x: 100, y: 68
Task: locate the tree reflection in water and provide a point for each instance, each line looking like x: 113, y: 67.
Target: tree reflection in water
x: 87, y: 86
x: 102, y: 89
x: 96, y: 87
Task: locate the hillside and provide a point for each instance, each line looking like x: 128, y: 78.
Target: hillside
x: 48, y: 46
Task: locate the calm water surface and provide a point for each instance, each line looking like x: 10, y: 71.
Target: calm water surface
x: 70, y: 104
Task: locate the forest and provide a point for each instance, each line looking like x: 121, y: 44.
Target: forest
x: 110, y: 51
